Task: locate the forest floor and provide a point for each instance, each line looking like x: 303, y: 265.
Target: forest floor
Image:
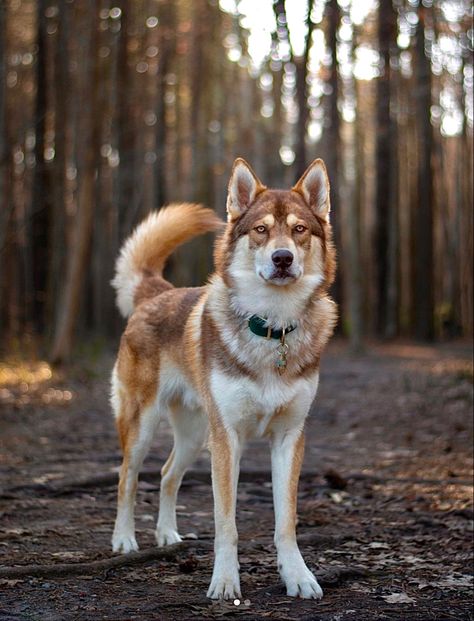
x: 385, y: 500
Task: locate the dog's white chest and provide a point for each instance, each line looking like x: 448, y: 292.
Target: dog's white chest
x: 253, y: 407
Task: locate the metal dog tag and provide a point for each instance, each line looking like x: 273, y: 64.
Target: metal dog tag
x: 282, y: 351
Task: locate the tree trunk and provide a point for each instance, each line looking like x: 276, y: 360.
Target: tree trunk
x: 41, y: 204
x: 301, y: 63
x: 5, y: 207
x: 385, y: 203
x: 57, y: 255
x: 89, y: 132
x: 166, y: 49
x: 423, y: 293
x: 126, y: 124
x: 333, y: 152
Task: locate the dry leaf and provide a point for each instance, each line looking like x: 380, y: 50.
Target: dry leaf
x: 398, y: 598
x: 378, y: 545
x: 461, y: 580
x: 73, y: 554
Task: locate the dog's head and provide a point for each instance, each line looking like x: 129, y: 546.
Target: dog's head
x: 277, y: 239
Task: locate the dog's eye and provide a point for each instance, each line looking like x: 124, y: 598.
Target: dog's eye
x: 299, y: 228
x: 260, y: 229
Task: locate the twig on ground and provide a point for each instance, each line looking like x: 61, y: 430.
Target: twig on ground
x: 60, y: 570
x: 168, y: 553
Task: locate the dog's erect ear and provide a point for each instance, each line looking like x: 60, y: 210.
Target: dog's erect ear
x: 244, y: 185
x: 314, y: 188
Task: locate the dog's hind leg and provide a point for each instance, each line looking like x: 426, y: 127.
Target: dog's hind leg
x: 190, y: 432
x: 136, y: 425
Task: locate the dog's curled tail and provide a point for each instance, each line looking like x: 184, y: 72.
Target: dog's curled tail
x: 143, y: 255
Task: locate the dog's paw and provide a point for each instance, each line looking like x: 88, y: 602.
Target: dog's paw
x: 166, y: 537
x: 301, y: 583
x: 123, y: 543
x: 224, y: 587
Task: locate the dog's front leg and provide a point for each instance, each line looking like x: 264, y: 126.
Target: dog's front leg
x: 225, y: 453
x: 287, y: 456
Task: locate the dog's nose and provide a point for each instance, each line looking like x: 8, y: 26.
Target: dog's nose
x: 282, y: 258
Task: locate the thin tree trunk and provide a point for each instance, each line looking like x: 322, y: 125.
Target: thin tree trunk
x: 355, y: 222
x: 39, y: 222
x: 423, y: 293
x: 57, y: 253
x: 126, y: 124
x: 199, y: 73
x: 78, y: 255
x: 333, y: 153
x: 301, y: 63
x: 354, y: 178
x: 5, y: 207
x: 385, y: 175
x: 466, y: 258
x: 166, y: 49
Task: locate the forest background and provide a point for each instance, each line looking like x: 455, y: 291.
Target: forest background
x: 109, y: 109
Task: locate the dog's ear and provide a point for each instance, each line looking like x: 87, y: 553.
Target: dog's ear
x: 244, y: 185
x: 314, y: 188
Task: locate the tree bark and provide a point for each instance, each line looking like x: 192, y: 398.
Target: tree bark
x: 333, y: 152
x: 166, y: 49
x: 89, y: 131
x: 39, y: 222
x: 57, y: 254
x: 5, y: 207
x: 423, y: 293
x: 385, y: 201
x: 301, y: 63
x: 126, y: 128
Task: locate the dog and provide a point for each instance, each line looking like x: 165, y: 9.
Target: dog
x: 233, y: 360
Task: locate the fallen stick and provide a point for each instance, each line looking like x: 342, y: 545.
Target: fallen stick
x: 60, y: 570
x: 169, y: 553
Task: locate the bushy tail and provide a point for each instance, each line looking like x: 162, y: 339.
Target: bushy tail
x: 144, y: 253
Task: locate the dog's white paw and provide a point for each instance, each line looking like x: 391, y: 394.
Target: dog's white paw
x: 224, y: 586
x: 300, y: 582
x: 124, y: 543
x: 166, y: 536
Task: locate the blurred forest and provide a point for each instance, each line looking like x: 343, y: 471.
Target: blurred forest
x: 111, y: 108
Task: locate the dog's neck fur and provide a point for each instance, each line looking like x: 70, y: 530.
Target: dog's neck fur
x: 314, y: 325
x: 281, y: 306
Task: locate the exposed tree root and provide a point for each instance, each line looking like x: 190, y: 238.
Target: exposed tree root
x: 60, y: 570
x: 168, y: 553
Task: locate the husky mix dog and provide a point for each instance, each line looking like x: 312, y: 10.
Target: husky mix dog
x: 233, y: 360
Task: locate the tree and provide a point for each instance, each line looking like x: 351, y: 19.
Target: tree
x: 386, y: 176
x: 334, y: 141
x: 78, y: 256
x: 41, y: 204
x: 423, y: 285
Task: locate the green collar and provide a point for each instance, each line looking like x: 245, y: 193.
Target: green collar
x: 258, y: 327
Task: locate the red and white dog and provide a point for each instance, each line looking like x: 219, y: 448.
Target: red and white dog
x: 236, y: 359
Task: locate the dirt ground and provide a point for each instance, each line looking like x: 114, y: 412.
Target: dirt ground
x: 385, y: 500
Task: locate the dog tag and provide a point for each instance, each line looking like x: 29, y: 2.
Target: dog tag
x: 282, y: 350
